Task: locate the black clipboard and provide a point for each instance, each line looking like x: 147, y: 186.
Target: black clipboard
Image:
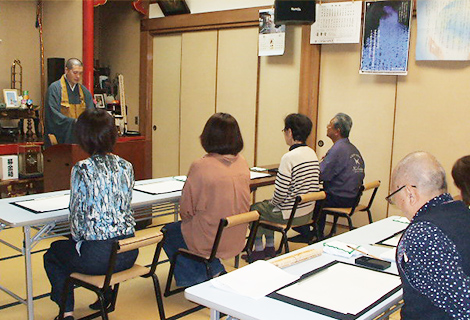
x: 19, y: 204
x: 328, y: 312
x: 381, y: 242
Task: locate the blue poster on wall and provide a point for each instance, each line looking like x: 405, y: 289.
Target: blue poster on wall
x: 386, y: 37
x: 443, y: 30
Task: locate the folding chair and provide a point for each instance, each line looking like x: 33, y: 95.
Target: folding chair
x: 318, y: 196
x: 100, y: 284
x: 225, y: 223
x: 348, y: 212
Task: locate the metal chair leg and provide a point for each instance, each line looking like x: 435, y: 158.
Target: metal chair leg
x: 158, y: 295
x: 370, y: 216
x: 351, y: 227
x: 104, y: 314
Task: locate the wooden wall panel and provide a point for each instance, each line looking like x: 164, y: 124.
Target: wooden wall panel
x: 369, y: 100
x: 237, y: 81
x: 432, y: 108
x: 166, y: 105
x: 278, y: 97
x: 198, y: 87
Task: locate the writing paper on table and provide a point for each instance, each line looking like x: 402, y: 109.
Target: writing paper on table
x: 45, y: 204
x: 345, y: 288
x: 160, y: 187
x: 256, y: 175
x: 254, y: 280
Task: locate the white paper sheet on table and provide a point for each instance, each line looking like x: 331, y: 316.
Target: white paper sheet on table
x: 389, y: 255
x: 46, y: 204
x: 393, y: 241
x: 256, y: 175
x: 254, y: 280
x: 160, y: 187
x: 343, y: 288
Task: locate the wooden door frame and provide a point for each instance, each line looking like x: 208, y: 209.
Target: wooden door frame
x: 239, y: 18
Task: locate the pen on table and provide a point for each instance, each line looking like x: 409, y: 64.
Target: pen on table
x: 367, y: 254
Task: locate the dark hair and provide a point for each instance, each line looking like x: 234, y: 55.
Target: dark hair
x: 300, y: 125
x: 461, y: 175
x: 222, y: 135
x: 96, y: 131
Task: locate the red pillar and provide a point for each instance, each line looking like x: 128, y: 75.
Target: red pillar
x: 88, y: 44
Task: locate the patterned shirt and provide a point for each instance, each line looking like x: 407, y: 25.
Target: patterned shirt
x: 433, y: 264
x: 100, y: 198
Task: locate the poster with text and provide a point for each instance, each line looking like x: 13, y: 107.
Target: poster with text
x: 386, y: 37
x: 337, y: 22
x: 443, y: 30
x: 272, y: 38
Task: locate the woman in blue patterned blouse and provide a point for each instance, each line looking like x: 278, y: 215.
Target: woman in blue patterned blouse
x: 100, y: 209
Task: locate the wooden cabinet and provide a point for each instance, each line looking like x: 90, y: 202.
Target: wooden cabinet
x: 59, y: 160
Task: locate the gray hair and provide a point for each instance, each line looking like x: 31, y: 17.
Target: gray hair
x: 73, y: 62
x: 343, y: 122
x: 422, y: 170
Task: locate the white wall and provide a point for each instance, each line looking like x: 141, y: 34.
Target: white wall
x: 199, y: 6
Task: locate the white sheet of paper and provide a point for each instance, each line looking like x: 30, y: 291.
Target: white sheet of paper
x: 254, y: 280
x: 393, y: 242
x: 256, y: 175
x: 389, y: 255
x: 161, y: 187
x: 47, y: 204
x: 343, y: 288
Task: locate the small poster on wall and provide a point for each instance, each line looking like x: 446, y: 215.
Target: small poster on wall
x: 337, y: 22
x: 386, y: 37
x: 443, y: 30
x: 272, y: 38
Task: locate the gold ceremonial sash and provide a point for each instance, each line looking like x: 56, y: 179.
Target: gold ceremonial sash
x: 68, y: 109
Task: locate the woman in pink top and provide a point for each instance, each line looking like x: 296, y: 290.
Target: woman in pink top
x: 218, y: 185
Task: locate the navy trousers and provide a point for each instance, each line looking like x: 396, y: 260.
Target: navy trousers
x: 62, y: 259
x: 187, y: 272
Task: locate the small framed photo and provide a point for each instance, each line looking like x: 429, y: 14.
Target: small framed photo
x: 173, y: 7
x: 11, y: 98
x: 100, y: 100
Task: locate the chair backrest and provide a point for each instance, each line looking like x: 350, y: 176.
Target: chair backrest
x: 318, y: 196
x: 232, y: 221
x: 371, y: 185
x: 141, y: 239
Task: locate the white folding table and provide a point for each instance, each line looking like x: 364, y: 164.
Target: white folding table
x: 245, y: 308
x: 54, y: 223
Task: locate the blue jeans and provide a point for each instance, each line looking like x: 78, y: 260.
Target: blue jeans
x: 187, y: 272
x: 62, y: 259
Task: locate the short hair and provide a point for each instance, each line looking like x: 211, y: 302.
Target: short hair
x: 73, y: 62
x: 222, y: 135
x: 343, y: 122
x: 300, y: 125
x: 422, y: 170
x: 96, y: 131
x: 461, y: 175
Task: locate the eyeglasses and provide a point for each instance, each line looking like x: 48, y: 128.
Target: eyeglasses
x: 389, y: 197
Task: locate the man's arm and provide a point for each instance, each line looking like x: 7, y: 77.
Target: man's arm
x: 329, y: 166
x: 434, y: 268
